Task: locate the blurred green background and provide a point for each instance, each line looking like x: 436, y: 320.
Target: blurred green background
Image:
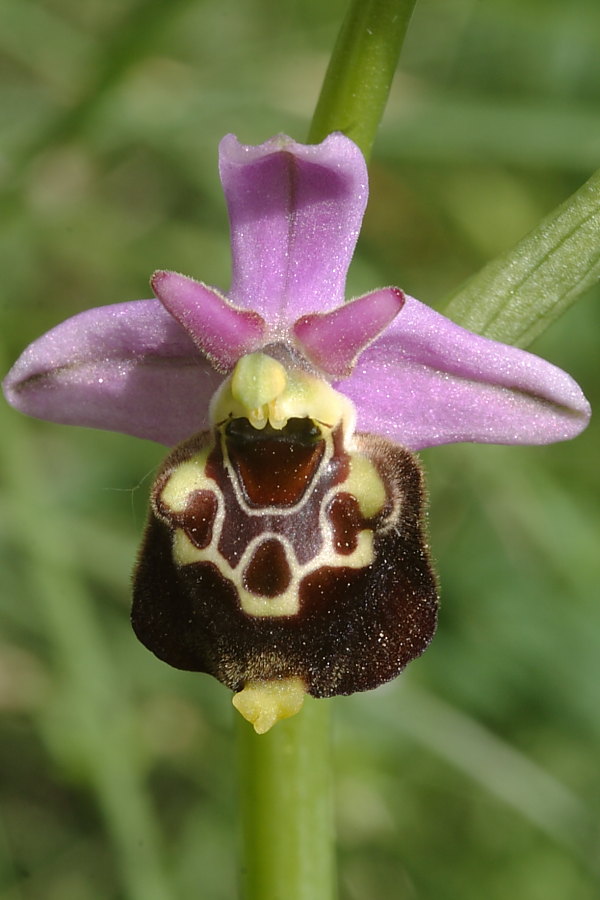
x: 476, y: 773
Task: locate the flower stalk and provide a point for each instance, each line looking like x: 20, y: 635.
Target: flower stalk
x: 286, y: 807
x: 361, y: 69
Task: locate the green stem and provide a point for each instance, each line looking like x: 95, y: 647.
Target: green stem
x: 360, y: 73
x: 285, y: 786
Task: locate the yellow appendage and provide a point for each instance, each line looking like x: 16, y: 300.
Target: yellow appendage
x: 264, y: 703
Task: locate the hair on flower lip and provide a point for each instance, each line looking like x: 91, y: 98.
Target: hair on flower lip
x: 281, y: 368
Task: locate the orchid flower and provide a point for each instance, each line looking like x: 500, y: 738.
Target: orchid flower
x: 285, y: 551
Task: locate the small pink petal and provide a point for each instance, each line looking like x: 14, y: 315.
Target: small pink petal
x: 222, y: 332
x: 128, y: 367
x: 426, y: 381
x: 333, y: 340
x: 295, y: 212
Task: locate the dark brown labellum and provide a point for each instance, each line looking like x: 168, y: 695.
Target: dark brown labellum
x: 280, y: 553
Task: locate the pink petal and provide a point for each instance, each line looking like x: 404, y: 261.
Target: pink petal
x: 128, y: 367
x: 220, y: 331
x: 333, y: 340
x: 426, y: 381
x: 295, y: 212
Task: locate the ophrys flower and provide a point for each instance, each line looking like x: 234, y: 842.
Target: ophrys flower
x: 285, y: 549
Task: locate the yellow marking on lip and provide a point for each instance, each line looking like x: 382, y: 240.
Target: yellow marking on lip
x: 264, y: 703
x: 364, y: 483
x: 185, y: 553
x: 363, y: 555
x: 189, y: 476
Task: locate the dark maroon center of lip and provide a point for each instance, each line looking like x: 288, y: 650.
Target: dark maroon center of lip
x: 268, y: 572
x: 275, y: 467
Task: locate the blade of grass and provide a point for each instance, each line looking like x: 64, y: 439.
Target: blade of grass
x: 485, y: 758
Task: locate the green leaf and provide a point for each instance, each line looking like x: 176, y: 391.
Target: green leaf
x: 519, y: 294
